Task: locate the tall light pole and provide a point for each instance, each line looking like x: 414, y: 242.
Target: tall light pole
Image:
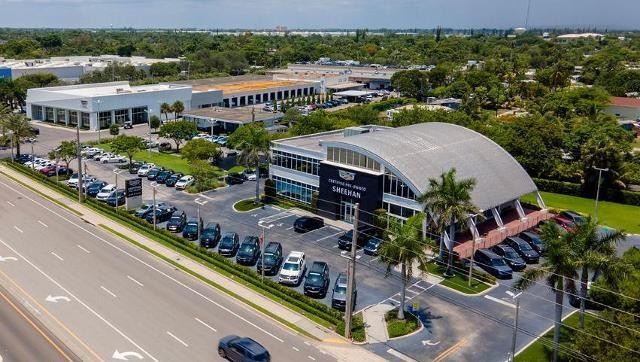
x: 351, y: 273
x: 154, y: 186
x: 515, y: 297
x: 79, y: 156
x: 33, y: 164
x: 98, y: 101
x: 199, y: 202
x: 117, y: 171
x: 595, y: 212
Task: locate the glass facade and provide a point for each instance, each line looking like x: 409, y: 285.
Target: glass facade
x: 104, y: 119
x: 394, y: 186
x: 61, y: 116
x: 36, y: 112
x: 294, y: 190
x: 73, y: 118
x: 398, y: 211
x: 121, y: 116
x: 351, y: 158
x: 139, y: 115
x: 295, y: 162
x: 86, y: 120
x: 49, y: 114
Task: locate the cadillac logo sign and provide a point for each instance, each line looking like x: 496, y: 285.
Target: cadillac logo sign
x: 346, y: 175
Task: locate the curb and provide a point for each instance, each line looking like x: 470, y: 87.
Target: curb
x: 412, y: 333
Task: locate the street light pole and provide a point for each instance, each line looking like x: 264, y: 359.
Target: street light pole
x: 79, y: 156
x: 33, y: 165
x: 351, y: 273
x: 199, y: 202
x: 117, y: 172
x: 516, y: 298
x: 262, y: 245
x: 595, y: 212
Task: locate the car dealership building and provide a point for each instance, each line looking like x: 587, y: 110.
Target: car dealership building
x: 389, y: 168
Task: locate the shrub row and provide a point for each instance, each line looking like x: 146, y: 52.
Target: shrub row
x: 274, y: 289
x: 574, y: 189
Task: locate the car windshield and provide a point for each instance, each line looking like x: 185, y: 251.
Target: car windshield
x: 175, y: 219
x: 314, y: 277
x: 291, y: 266
x: 269, y: 258
x: 227, y: 241
x: 498, y: 262
x: 247, y: 248
x: 348, y: 234
x: 209, y: 232
x: 340, y: 289
x: 525, y: 247
x: 191, y: 227
x: 511, y: 254
x: 372, y: 243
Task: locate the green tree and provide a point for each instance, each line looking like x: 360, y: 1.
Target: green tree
x: 450, y: 200
x: 178, y: 108
x: 411, y: 83
x: 200, y: 149
x: 128, y: 145
x: 204, y: 174
x: 254, y: 143
x: 404, y: 246
x: 67, y: 152
x: 154, y: 122
x: 291, y: 116
x: 114, y: 129
x: 19, y: 128
x: 165, y: 108
x: 178, y: 131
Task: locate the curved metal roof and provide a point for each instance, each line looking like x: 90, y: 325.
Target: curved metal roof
x: 422, y: 151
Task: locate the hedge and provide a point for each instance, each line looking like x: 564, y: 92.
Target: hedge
x: 574, y: 189
x: 276, y: 290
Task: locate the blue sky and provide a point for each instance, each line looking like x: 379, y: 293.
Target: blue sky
x: 404, y: 14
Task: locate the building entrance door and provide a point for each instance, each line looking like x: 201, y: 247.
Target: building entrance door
x: 346, y: 211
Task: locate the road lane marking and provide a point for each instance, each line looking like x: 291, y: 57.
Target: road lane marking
x: 83, y: 249
x: 54, y: 345
x: 335, y: 246
x: 399, y: 355
x: 10, y: 203
x: 98, y: 237
x: 108, y: 291
x: 17, y: 228
x: 451, y: 350
x: 135, y: 281
x: 43, y: 224
x: 307, y: 343
x: 311, y: 358
x: 206, y: 325
x: 295, y: 349
x: 76, y: 298
x: 57, y: 256
x: 500, y: 301
x: 177, y: 339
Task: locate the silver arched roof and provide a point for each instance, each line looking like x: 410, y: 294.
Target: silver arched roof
x: 422, y: 151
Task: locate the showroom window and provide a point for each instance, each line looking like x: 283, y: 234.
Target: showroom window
x: 36, y: 112
x: 294, y: 190
x: 86, y: 120
x: 104, y: 119
x: 352, y: 158
x: 121, y: 115
x: 61, y: 116
x: 73, y: 118
x: 139, y: 115
x: 49, y: 114
x: 295, y: 162
x: 394, y: 186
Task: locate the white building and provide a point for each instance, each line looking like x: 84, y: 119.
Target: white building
x: 108, y: 103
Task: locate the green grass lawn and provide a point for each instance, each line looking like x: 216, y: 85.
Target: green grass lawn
x: 397, y: 328
x: 618, y: 216
x: 458, y: 281
x: 636, y: 143
x: 357, y: 328
x: 541, y: 350
x: 246, y: 205
x: 236, y: 169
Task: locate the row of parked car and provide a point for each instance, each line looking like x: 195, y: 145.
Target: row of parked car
x: 43, y: 165
x: 219, y: 139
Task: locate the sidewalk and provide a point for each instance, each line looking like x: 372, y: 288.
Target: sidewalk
x: 374, y: 323
x: 331, y: 342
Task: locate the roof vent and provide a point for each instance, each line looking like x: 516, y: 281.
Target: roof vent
x: 352, y: 131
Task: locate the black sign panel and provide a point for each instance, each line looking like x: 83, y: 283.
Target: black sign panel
x: 341, y: 186
x: 133, y: 187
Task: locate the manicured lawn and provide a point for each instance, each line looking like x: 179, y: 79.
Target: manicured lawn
x: 357, y: 328
x: 618, y: 216
x: 459, y: 281
x: 541, y: 349
x: 246, y: 205
x: 236, y: 169
x: 397, y: 328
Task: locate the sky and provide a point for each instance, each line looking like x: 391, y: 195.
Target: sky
x: 316, y: 14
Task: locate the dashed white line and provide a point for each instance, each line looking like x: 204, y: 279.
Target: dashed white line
x: 17, y: 228
x: 83, y: 249
x: 500, y: 301
x: 329, y: 236
x: 108, y: 291
x: 295, y: 349
x: 177, y: 339
x: 206, y: 325
x: 307, y: 343
x: 10, y: 203
x: 311, y: 358
x: 43, y: 224
x: 57, y: 256
x: 135, y: 281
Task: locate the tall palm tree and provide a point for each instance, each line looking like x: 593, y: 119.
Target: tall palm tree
x: 254, y: 142
x: 165, y: 108
x: 450, y: 201
x: 596, y: 252
x: 177, y: 107
x: 560, y: 269
x: 19, y: 126
x: 404, y: 246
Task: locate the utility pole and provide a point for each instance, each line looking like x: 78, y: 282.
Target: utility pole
x: 79, y: 155
x: 516, y: 298
x: 199, y: 203
x: 595, y: 212
x: 33, y: 164
x: 262, y: 246
x: 117, y: 172
x: 351, y: 274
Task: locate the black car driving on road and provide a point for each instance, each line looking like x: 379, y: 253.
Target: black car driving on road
x: 316, y: 283
x: 190, y: 231
x: 307, y: 223
x: 210, y: 235
x: 242, y: 349
x: 177, y: 222
x: 271, y: 259
x: 228, y: 245
x: 249, y: 251
x: 171, y: 180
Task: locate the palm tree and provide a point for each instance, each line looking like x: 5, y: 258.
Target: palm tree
x: 19, y: 126
x: 253, y: 142
x: 559, y: 269
x: 596, y: 249
x: 404, y: 246
x: 177, y: 107
x: 450, y: 201
x: 165, y: 108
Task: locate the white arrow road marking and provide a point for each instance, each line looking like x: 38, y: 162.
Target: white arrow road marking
x: 108, y: 291
x: 53, y: 299
x: 123, y: 356
x: 177, y: 339
x: 206, y: 325
x: 6, y: 258
x: 17, y: 228
x: 57, y: 256
x: 429, y: 343
x: 83, y: 249
x: 43, y: 224
x: 135, y: 281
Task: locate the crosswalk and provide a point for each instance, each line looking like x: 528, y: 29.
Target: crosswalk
x: 413, y: 291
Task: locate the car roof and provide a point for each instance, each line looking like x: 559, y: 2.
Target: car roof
x: 272, y: 245
x: 318, y: 265
x: 489, y: 253
x: 516, y: 239
x: 341, y: 279
x: 297, y: 254
x: 250, y: 345
x: 211, y: 225
x: 504, y: 247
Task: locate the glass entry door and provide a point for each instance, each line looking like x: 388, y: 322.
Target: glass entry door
x: 347, y: 210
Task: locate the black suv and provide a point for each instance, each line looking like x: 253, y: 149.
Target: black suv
x: 153, y: 173
x: 171, y: 180
x: 162, y: 214
x: 163, y: 176
x: 364, y: 234
x: 249, y: 251
x: 534, y: 240
x: 307, y: 223
x: 317, y: 281
x: 493, y: 264
x: 177, y: 222
x: 190, y: 231
x: 234, y: 178
x: 271, y: 259
x: 512, y: 258
x: 229, y: 244
x: 210, y: 235
x: 524, y: 249
x: 134, y: 167
x: 234, y: 348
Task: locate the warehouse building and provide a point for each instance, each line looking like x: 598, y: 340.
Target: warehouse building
x: 226, y: 120
x: 103, y: 104
x: 339, y: 78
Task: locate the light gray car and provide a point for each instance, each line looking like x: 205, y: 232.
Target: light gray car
x: 339, y: 294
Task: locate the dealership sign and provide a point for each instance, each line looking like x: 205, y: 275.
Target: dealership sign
x: 345, y: 188
x: 133, y: 187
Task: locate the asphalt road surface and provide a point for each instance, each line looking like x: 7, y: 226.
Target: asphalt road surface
x: 113, y: 300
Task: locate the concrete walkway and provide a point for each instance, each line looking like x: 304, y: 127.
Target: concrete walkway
x: 331, y: 342
x: 374, y: 323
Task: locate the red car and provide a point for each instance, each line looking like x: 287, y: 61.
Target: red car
x: 51, y: 170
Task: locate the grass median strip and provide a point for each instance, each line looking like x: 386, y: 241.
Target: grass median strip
x: 246, y: 205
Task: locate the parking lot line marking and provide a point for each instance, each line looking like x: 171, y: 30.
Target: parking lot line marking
x: 500, y: 301
x: 329, y: 236
x: 393, y: 300
x: 335, y: 228
x: 276, y: 217
x: 418, y: 286
x: 307, y: 343
x: 17, y: 228
x: 10, y: 203
x: 412, y: 291
x: 177, y: 339
x: 135, y: 281
x: 289, y: 228
x: 335, y: 246
x: 43, y: 224
x: 57, y: 256
x: 83, y: 249
x: 295, y: 349
x: 399, y: 355
x: 311, y: 358
x: 374, y: 259
x: 108, y: 291
x: 206, y: 325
